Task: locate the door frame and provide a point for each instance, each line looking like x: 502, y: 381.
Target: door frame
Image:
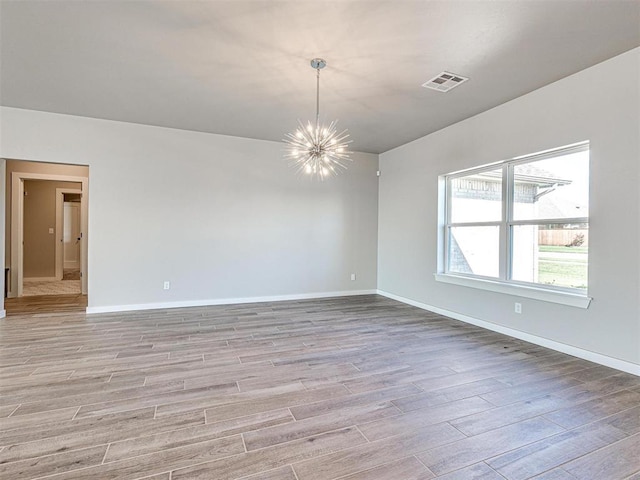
x: 17, y: 226
x: 59, y: 228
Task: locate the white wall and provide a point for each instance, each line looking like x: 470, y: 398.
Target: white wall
x: 600, y: 104
x: 220, y: 217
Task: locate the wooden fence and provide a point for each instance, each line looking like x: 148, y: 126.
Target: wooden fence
x: 562, y: 237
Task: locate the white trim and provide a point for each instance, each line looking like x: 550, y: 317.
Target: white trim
x: 543, y: 294
x: 612, y: 362
x: 41, y: 279
x: 3, y: 313
x: 17, y: 211
x: 224, y: 301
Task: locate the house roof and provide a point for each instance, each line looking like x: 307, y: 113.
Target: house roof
x: 528, y: 173
x: 531, y: 173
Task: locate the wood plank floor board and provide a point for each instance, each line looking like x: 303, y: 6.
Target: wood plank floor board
x: 598, y: 388
x: 284, y: 400
x: 40, y: 419
x: 106, y: 364
x: 160, y: 476
x: 129, y: 425
x: 353, y: 373
x: 555, y: 474
x: 418, y: 419
x: 198, y: 374
x: 546, y: 454
x: 409, y: 468
x: 151, y: 393
x: 477, y: 471
x: 45, y: 304
x: 530, y: 390
x: 365, y: 457
x: 308, y: 375
x: 595, y: 373
x: 6, y: 410
x: 314, y: 425
x: 617, y: 460
x: 158, y: 462
x: 282, y: 473
x: 401, y: 376
x: 171, y: 397
x: 353, y: 400
x: 593, y: 410
x: 51, y: 464
x: 35, y: 431
x: 456, y: 379
x: 497, y: 417
x: 66, y: 384
x: 470, y: 450
x: 446, y: 395
x: 272, y: 457
x: 350, y: 388
x: 178, y: 437
x: 626, y: 422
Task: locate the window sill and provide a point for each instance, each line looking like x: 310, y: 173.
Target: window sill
x: 553, y: 296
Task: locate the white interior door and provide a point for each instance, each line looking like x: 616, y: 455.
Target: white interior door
x: 71, y: 235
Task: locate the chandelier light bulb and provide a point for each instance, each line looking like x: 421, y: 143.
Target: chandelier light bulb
x: 318, y: 150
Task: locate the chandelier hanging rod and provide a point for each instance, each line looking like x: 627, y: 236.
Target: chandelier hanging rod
x: 318, y: 64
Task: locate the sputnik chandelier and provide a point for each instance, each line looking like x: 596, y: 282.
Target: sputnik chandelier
x: 318, y: 150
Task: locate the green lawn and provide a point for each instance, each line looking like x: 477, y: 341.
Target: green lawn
x: 563, y: 274
x: 553, y: 248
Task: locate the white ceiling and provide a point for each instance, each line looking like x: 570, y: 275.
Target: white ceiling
x: 242, y: 67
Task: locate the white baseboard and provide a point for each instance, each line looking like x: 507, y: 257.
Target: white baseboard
x: 3, y: 313
x: 612, y: 362
x: 40, y: 279
x: 224, y: 301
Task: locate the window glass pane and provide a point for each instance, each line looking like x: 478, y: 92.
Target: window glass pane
x: 477, y: 197
x: 474, y: 250
x: 551, y: 254
x: 552, y: 188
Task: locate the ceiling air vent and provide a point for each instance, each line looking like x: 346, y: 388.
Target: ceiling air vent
x: 445, y: 81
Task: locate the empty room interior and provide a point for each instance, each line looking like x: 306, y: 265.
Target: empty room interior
x: 320, y: 240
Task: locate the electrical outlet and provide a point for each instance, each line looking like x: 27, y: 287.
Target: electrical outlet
x: 518, y: 307
x: 353, y: 276
x: 167, y: 285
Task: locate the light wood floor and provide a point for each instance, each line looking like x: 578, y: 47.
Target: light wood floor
x: 359, y: 388
x: 44, y: 304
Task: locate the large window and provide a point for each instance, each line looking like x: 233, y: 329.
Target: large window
x: 524, y: 222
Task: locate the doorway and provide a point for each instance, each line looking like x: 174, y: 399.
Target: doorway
x: 71, y: 238
x: 69, y: 234
x: 50, y: 216
x: 64, y: 233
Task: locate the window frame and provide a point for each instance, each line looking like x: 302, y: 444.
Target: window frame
x: 504, y: 283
